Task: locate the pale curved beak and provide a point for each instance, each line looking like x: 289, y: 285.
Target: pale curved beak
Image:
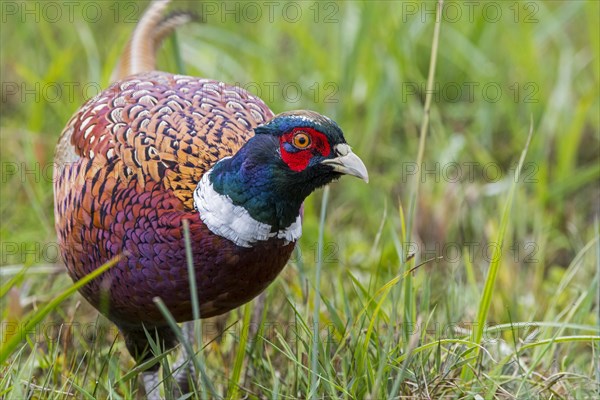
x: 347, y: 163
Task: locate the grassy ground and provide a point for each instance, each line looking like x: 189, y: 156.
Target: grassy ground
x: 346, y: 318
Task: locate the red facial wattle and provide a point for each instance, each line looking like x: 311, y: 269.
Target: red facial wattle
x: 299, y: 159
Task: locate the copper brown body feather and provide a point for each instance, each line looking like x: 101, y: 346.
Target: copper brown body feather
x: 126, y: 167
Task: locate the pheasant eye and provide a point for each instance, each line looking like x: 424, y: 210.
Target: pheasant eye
x: 301, y: 140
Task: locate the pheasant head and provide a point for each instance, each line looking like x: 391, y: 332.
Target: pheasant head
x: 258, y: 193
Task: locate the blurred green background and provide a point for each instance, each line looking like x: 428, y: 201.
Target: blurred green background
x: 502, y: 68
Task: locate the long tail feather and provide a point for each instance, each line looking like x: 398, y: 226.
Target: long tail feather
x: 140, y: 52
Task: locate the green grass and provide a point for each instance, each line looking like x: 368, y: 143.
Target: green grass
x: 400, y: 290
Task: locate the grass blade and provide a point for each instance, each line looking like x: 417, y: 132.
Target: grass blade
x: 233, y: 390
x: 177, y: 330
x: 488, y: 290
x: 317, y: 304
x: 38, y: 316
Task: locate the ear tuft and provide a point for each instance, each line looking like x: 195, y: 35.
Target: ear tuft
x: 264, y: 129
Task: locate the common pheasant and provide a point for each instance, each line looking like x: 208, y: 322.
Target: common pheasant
x: 155, y: 149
